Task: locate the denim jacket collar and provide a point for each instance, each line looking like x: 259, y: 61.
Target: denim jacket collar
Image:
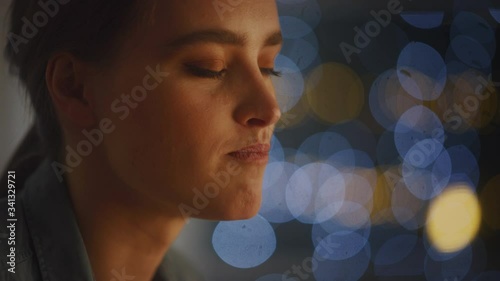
x: 58, y: 244
x: 51, y: 221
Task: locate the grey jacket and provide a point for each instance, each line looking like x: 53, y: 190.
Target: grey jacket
x: 48, y: 243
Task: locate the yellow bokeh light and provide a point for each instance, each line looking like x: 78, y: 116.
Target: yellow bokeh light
x: 382, y: 196
x: 453, y: 219
x: 335, y: 93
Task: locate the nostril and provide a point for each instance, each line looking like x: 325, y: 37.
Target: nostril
x: 256, y: 122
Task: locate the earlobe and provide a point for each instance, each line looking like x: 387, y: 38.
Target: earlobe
x: 66, y: 86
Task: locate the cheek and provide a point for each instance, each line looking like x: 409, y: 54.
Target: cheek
x: 174, y: 141
x: 166, y: 144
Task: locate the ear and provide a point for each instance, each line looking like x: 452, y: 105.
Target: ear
x: 65, y: 78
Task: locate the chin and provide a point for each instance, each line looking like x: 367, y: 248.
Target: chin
x: 241, y: 201
x: 242, y: 209
x: 247, y: 214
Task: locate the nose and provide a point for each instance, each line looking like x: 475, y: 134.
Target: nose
x: 258, y: 106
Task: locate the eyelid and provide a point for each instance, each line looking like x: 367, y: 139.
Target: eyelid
x: 204, y: 72
x: 271, y: 71
x: 219, y: 74
x: 202, y: 68
x: 208, y: 63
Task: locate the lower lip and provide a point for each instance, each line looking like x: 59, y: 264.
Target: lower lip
x: 251, y: 157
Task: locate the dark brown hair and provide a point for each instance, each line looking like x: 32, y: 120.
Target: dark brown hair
x: 90, y: 29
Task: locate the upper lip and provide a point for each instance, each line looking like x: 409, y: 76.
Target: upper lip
x: 257, y: 148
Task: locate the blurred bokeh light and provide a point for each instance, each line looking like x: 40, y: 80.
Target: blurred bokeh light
x: 385, y: 162
x: 453, y: 219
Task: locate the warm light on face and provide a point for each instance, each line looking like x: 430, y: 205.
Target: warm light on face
x: 453, y: 219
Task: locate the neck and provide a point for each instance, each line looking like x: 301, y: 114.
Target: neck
x: 125, y: 232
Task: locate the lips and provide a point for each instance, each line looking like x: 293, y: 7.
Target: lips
x: 258, y: 153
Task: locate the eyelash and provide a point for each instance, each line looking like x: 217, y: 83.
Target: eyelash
x: 207, y: 73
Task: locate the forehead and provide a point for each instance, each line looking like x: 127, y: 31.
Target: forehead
x: 177, y: 17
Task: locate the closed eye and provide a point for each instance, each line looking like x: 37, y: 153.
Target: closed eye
x: 205, y: 73
x: 213, y: 74
x: 271, y: 72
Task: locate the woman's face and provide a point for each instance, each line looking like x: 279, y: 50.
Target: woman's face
x: 184, y: 93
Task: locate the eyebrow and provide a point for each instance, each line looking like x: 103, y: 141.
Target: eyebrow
x: 222, y: 36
